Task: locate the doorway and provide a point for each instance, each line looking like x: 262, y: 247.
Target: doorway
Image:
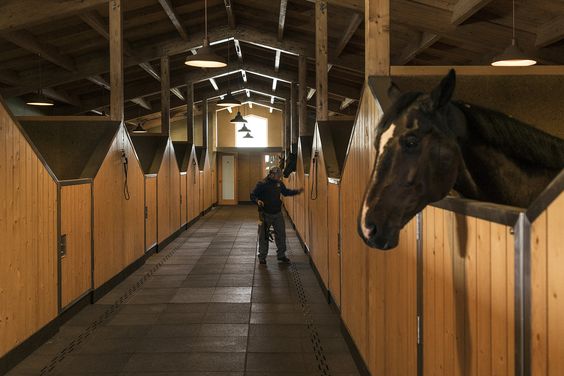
x: 228, y: 179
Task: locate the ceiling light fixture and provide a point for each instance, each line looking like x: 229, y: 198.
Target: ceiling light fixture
x: 229, y: 100
x: 205, y: 57
x: 244, y: 129
x: 248, y: 135
x: 139, y: 129
x: 39, y: 99
x: 513, y: 56
x: 238, y: 119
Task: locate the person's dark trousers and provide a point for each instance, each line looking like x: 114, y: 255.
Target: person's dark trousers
x: 277, y: 222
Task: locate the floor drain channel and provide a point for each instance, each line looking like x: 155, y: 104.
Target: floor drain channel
x: 313, y: 333
x: 73, y: 345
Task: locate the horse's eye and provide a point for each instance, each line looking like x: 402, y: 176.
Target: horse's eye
x: 411, y: 142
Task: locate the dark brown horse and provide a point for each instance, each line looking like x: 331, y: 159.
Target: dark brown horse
x: 428, y: 145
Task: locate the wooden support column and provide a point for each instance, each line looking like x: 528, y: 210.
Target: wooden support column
x: 165, y: 96
x: 302, y: 77
x: 377, y: 37
x: 295, y: 126
x: 287, y: 125
x: 321, y: 60
x: 205, y: 122
x: 116, y: 60
x: 190, y: 112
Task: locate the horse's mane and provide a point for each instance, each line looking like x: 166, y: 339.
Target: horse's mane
x: 515, y: 138
x: 397, y: 108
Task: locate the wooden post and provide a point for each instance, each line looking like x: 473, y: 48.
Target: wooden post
x: 295, y: 117
x: 165, y: 96
x: 321, y: 59
x: 116, y: 60
x: 190, y: 112
x: 302, y: 78
x: 287, y: 125
x: 377, y: 37
x: 205, y: 122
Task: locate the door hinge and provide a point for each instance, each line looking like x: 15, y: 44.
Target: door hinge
x: 419, y: 339
x: 146, y: 212
x: 63, y: 245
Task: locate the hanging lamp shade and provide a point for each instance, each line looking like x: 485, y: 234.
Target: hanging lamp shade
x: 513, y: 56
x: 139, y: 129
x: 229, y: 101
x: 205, y: 58
x: 248, y: 135
x: 244, y: 129
x: 238, y: 119
x: 39, y: 99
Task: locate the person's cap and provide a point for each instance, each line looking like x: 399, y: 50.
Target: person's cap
x: 275, y: 171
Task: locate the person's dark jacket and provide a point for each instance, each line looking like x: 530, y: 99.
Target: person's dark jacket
x: 269, y: 191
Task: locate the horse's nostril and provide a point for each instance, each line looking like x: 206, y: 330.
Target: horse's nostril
x: 369, y: 230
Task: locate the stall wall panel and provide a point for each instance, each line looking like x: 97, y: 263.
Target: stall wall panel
x: 119, y: 229
x: 151, y: 204
x: 28, y: 234
x: 193, y: 188
x: 468, y: 295
x: 183, y: 198
x: 317, y: 214
x: 168, y: 193
x: 334, y: 257
x: 76, y: 265
x: 547, y: 290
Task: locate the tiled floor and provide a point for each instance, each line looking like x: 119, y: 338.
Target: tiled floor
x: 209, y: 309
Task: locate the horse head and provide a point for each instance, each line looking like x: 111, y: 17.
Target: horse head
x: 417, y: 162
x: 290, y: 165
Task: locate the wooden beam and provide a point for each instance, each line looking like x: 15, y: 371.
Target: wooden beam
x: 142, y: 103
x: 310, y: 93
x: 238, y: 49
x: 321, y: 59
x: 550, y: 32
x: 16, y: 14
x: 9, y: 77
x: 205, y: 122
x: 377, y: 38
x: 282, y: 18
x: 174, y: 18
x: 177, y: 93
x: 165, y: 96
x: 27, y: 41
x: 419, y: 44
x: 277, y: 61
x: 356, y: 5
x: 100, y: 81
x: 464, y: 9
x: 348, y: 34
x: 116, y: 60
x: 95, y: 21
x: 346, y: 103
x: 302, y: 73
x: 230, y: 14
x: 295, y: 113
x: 478, y: 70
x: 190, y: 112
x: 61, y: 96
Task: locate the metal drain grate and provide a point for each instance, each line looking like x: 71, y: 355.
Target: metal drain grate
x: 75, y: 343
x: 313, y: 333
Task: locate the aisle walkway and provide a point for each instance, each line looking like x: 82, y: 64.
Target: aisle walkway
x: 204, y: 306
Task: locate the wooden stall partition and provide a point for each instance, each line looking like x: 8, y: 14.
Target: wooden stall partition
x: 468, y: 295
x: 150, y: 211
x: 302, y: 181
x: 183, y: 151
x: 168, y: 195
x: 76, y: 235
x: 118, y: 211
x: 183, y: 198
x: 193, y: 187
x: 334, y: 253
x: 547, y: 281
x: 201, y: 156
x: 28, y: 234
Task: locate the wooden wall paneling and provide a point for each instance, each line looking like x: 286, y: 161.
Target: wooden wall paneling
x: 168, y: 192
x: 539, y: 296
x: 151, y: 205
x: 76, y: 265
x: 334, y: 258
x: 555, y: 260
x: 183, y: 198
x: 118, y: 222
x: 28, y: 234
x: 193, y: 188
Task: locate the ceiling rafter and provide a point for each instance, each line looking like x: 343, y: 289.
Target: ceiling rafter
x: 420, y: 43
x: 551, y: 32
x: 282, y: 18
x: 174, y: 18
x: 464, y: 9
x: 354, y: 24
x: 230, y: 13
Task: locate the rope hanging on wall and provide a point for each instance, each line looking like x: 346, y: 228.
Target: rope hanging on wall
x: 125, y: 163
x: 315, y: 183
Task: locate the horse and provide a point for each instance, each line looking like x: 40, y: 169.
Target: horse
x: 291, y: 162
x: 428, y: 144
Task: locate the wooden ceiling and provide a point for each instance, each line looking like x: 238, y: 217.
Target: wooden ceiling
x: 63, y: 46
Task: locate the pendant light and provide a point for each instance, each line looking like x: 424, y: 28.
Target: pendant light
x: 244, y: 129
x: 238, y: 119
x: 229, y: 100
x: 39, y: 99
x: 513, y: 56
x: 248, y: 135
x: 205, y: 57
x: 139, y: 129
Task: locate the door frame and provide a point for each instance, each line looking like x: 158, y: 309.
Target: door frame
x: 220, y: 180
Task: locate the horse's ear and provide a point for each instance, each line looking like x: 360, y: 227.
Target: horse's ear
x: 442, y: 94
x: 394, y: 92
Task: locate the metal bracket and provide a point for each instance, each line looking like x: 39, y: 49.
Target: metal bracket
x: 63, y: 245
x: 146, y: 212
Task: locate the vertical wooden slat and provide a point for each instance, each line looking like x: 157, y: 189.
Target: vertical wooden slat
x: 190, y: 112
x: 499, y: 307
x: 377, y: 37
x: 321, y: 59
x: 471, y: 327
x: 483, y: 302
x: 539, y: 296
x: 302, y: 77
x: 116, y: 60
x: 165, y: 96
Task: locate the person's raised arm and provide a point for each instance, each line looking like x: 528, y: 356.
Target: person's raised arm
x: 289, y: 192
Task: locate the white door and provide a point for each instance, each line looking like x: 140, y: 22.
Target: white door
x: 228, y: 194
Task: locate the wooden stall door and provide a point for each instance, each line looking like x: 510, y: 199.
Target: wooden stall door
x: 334, y: 258
x: 183, y: 198
x: 76, y: 234
x: 228, y: 179
x: 150, y: 212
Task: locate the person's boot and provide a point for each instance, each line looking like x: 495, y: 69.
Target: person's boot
x: 284, y: 259
x: 262, y: 261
